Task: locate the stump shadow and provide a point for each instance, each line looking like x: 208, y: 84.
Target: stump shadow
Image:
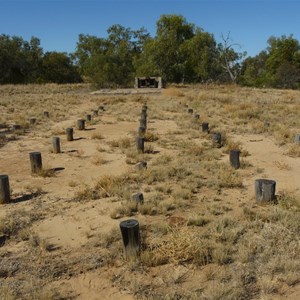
x: 26, y: 197
x: 78, y: 139
x: 89, y: 129
x: 56, y: 169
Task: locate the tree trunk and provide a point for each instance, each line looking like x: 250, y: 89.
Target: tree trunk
x: 130, y: 231
x: 265, y: 190
x: 4, y: 189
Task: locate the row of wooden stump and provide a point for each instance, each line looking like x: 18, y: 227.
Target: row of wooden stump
x: 36, y: 157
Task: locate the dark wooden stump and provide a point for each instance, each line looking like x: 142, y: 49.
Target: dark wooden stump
x: 4, y: 189
x: 265, y: 190
x: 140, y: 141
x: 69, y: 133
x: 130, y: 231
x: 234, y: 158
x: 81, y: 124
x: 36, y: 162
x: 56, y: 144
x: 16, y: 127
x: 196, y: 116
x: 138, y: 198
x: 95, y: 113
x: 89, y: 117
x: 141, y: 165
x: 32, y: 121
x: 205, y: 127
x: 297, y: 138
x: 143, y: 122
x: 101, y: 107
x: 217, y: 139
x: 142, y: 131
x: 46, y: 114
x: 190, y: 111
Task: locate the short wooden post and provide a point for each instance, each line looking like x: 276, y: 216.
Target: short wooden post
x: 56, y: 144
x: 217, y: 139
x: 81, y: 124
x: 130, y: 231
x: 205, y: 127
x: 142, y: 131
x: 234, y: 158
x: 141, y: 165
x: 46, y: 114
x: 101, y: 107
x: 196, y: 116
x: 140, y: 141
x: 138, y: 198
x: 297, y: 138
x: 4, y: 189
x: 95, y: 113
x: 89, y: 117
x: 143, y: 122
x: 69, y: 133
x: 190, y: 111
x: 265, y: 190
x: 32, y: 121
x: 36, y: 162
x: 16, y: 127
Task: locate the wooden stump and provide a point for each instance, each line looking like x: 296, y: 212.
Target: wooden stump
x: 81, y: 124
x: 101, y: 107
x: 138, y: 198
x: 234, y: 158
x: 196, y: 116
x: 56, y: 144
x: 142, y: 131
x: 140, y: 141
x: 265, y: 190
x: 16, y: 127
x: 217, y: 139
x: 297, y: 138
x: 190, y: 111
x: 32, y: 121
x: 130, y: 231
x: 89, y: 117
x: 143, y: 122
x: 69, y: 133
x: 141, y: 165
x: 36, y: 162
x: 46, y: 114
x: 205, y: 127
x: 95, y: 113
x: 4, y: 189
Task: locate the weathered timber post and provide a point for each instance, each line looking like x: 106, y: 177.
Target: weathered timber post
x: 143, y: 122
x: 196, y: 116
x: 89, y: 117
x: 265, y: 190
x: 190, y: 111
x: 142, y: 131
x: 32, y: 121
x: 138, y: 198
x: 234, y: 158
x: 217, y: 139
x: 130, y: 231
x: 141, y: 165
x: 46, y: 114
x: 56, y: 144
x: 95, y: 113
x: 140, y: 141
x: 81, y: 124
x: 101, y: 107
x: 4, y: 189
x: 205, y: 127
x: 36, y: 162
x: 69, y: 133
x: 16, y: 127
x: 297, y: 138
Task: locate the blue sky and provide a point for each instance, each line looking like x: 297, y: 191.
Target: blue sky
x: 58, y: 22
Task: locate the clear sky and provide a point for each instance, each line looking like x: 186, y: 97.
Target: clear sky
x: 58, y: 22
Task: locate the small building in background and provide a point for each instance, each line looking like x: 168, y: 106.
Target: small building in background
x: 148, y: 82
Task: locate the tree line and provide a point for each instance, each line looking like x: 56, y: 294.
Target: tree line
x: 180, y: 52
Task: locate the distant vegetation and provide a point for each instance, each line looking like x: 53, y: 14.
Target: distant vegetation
x: 180, y: 52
